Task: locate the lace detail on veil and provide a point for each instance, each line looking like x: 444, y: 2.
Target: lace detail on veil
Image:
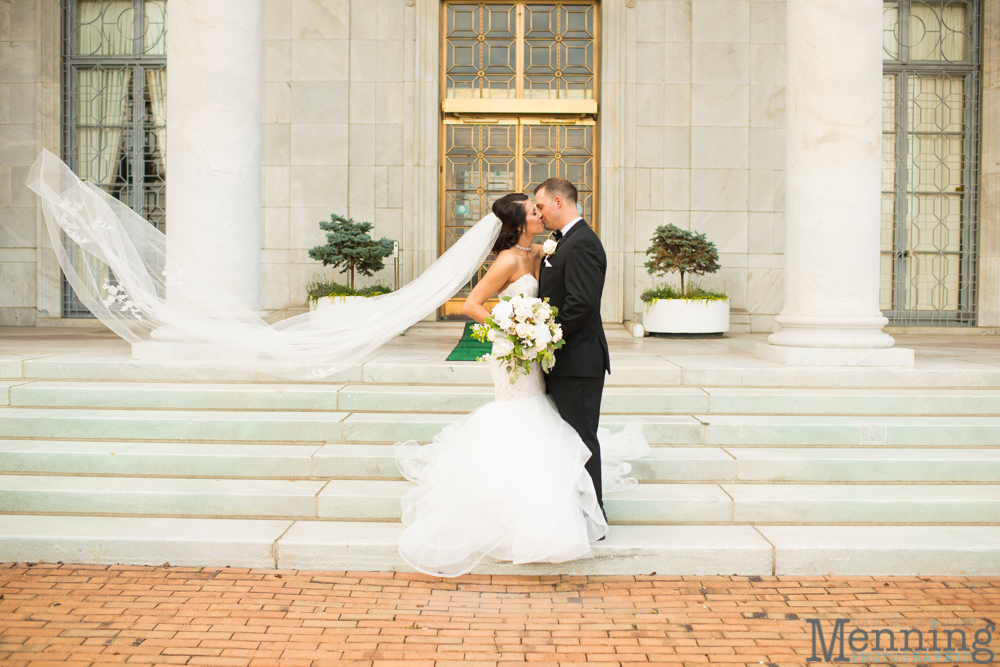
x: 162, y: 286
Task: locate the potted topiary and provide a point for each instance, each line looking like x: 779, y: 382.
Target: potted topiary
x: 689, y: 311
x: 350, y: 248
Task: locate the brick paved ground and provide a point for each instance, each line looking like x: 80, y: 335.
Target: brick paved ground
x: 86, y: 614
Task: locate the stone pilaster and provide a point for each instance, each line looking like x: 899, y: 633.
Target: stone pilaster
x: 831, y: 314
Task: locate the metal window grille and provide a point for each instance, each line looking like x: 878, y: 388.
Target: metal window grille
x: 930, y: 155
x: 114, y: 107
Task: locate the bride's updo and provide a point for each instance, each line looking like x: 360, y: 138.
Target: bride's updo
x: 510, y: 210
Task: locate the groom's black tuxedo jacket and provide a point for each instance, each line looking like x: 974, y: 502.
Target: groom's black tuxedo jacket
x: 573, y: 284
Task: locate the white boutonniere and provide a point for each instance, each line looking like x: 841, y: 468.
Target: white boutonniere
x: 549, y: 247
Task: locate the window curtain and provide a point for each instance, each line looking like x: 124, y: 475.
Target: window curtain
x: 102, y: 102
x: 938, y: 31
x: 156, y: 89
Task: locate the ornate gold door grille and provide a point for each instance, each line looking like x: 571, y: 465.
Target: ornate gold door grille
x: 519, y: 101
x: 486, y: 159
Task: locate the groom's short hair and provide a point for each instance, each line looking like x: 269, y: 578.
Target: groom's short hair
x: 558, y: 187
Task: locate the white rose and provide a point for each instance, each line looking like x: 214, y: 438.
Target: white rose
x: 516, y: 301
x: 558, y: 334
x: 544, y: 313
x: 506, y: 323
x: 541, y: 334
x: 491, y: 334
x: 521, y: 329
x: 522, y: 312
x: 549, y: 246
x: 503, y: 310
x: 502, y: 347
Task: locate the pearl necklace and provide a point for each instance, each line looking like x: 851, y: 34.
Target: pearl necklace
x: 521, y: 247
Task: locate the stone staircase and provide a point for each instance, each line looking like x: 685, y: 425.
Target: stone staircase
x: 117, y: 461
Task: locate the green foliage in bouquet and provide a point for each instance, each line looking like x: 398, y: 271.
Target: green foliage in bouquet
x: 350, y: 248
x: 693, y: 291
x: 521, y: 354
x: 683, y: 251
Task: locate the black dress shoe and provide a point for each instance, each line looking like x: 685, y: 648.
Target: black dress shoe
x: 601, y: 538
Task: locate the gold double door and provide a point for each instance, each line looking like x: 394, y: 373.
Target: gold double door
x: 486, y: 158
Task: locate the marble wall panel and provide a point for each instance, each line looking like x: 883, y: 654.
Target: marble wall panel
x: 720, y: 147
x: 319, y: 101
x: 765, y: 290
x: 319, y: 186
x: 320, y: 19
x: 17, y: 144
x: 677, y: 20
x: 720, y: 20
x: 714, y: 105
x: 719, y: 190
x: 17, y: 284
x: 319, y: 144
x: 760, y: 232
x: 720, y: 62
x: 17, y: 227
x: 276, y: 227
x: 320, y: 59
x: 727, y: 230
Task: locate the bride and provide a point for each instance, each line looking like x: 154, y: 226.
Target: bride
x: 508, y: 480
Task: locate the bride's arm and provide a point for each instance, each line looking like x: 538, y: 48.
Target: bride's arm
x: 496, y: 277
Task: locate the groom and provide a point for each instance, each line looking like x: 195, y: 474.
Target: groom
x: 572, y: 278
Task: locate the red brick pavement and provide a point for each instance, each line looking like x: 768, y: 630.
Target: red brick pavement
x: 96, y: 614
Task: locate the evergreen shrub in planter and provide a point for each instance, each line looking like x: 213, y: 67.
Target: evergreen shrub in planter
x: 689, y: 311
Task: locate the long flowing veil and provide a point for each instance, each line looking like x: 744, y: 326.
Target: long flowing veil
x: 136, y: 281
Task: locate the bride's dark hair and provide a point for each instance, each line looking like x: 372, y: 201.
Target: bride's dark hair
x: 513, y: 219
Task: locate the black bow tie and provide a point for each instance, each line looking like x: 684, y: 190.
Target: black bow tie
x: 557, y: 234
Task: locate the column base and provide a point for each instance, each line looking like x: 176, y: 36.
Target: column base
x: 886, y: 357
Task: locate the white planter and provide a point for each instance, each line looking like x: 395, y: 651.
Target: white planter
x: 686, y: 316
x: 328, y: 301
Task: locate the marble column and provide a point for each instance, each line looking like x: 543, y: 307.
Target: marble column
x: 214, y: 90
x: 831, y: 313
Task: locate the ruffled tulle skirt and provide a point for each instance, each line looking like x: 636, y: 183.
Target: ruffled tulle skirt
x: 507, y: 481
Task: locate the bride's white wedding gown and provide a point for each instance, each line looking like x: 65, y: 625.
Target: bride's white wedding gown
x: 508, y: 480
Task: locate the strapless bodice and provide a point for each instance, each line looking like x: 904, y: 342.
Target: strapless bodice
x: 526, y: 285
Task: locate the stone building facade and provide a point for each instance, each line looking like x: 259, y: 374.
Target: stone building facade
x: 687, y: 113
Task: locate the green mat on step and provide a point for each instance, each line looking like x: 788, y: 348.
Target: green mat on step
x: 469, y: 349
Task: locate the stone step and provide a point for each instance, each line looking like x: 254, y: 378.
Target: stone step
x: 366, y: 461
x: 937, y: 550
x: 159, y: 459
x: 824, y: 430
x: 176, y: 396
x: 389, y: 427
x: 386, y: 427
x: 370, y: 500
x: 462, y: 399
x: 864, y: 464
x: 140, y: 540
x: 159, y: 496
x: 366, y: 500
x: 181, y: 425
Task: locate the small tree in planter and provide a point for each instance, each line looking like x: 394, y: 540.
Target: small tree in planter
x: 683, y: 251
x: 349, y: 246
x: 671, y: 311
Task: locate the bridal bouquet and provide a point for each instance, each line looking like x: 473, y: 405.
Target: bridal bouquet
x: 522, y: 330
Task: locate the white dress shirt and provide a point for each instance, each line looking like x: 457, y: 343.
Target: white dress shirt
x: 569, y: 224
